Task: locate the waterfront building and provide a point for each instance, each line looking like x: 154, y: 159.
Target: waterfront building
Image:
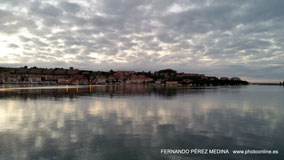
x: 72, y: 71
x: 22, y: 71
x: 101, y: 79
x: 35, y: 71
x: 47, y: 71
x: 59, y: 71
x: 34, y: 78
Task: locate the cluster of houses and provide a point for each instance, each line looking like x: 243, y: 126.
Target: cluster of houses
x: 36, y: 75
x: 71, y: 76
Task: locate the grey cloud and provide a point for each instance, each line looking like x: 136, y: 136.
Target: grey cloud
x: 10, y: 23
x: 38, y: 42
x: 99, y: 21
x: 6, y: 16
x: 167, y: 38
x: 46, y: 13
x: 12, y: 45
x: 24, y: 39
x: 120, y: 7
x: 263, y: 10
x: 70, y: 7
x: 49, y: 10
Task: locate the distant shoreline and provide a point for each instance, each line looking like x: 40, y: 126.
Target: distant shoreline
x: 267, y: 84
x: 71, y: 76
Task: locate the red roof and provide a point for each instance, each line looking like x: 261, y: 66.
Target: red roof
x: 35, y: 71
x: 47, y: 71
x: 22, y: 71
x: 188, y: 75
x: 73, y: 71
x: 60, y: 71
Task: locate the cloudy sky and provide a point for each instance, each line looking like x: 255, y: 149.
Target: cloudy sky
x: 216, y: 37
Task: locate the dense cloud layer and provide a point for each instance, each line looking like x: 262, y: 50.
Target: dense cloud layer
x: 232, y: 38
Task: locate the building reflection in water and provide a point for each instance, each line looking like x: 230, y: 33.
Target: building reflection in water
x: 76, y: 91
x: 135, y: 122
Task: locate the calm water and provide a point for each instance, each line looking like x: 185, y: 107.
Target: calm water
x: 136, y: 122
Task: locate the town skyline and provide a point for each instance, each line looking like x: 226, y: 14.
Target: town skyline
x: 248, y: 79
x: 73, y: 76
x: 219, y: 38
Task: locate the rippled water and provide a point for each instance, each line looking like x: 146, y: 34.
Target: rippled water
x: 136, y: 122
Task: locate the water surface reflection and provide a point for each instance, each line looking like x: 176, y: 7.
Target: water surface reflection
x: 135, y: 122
